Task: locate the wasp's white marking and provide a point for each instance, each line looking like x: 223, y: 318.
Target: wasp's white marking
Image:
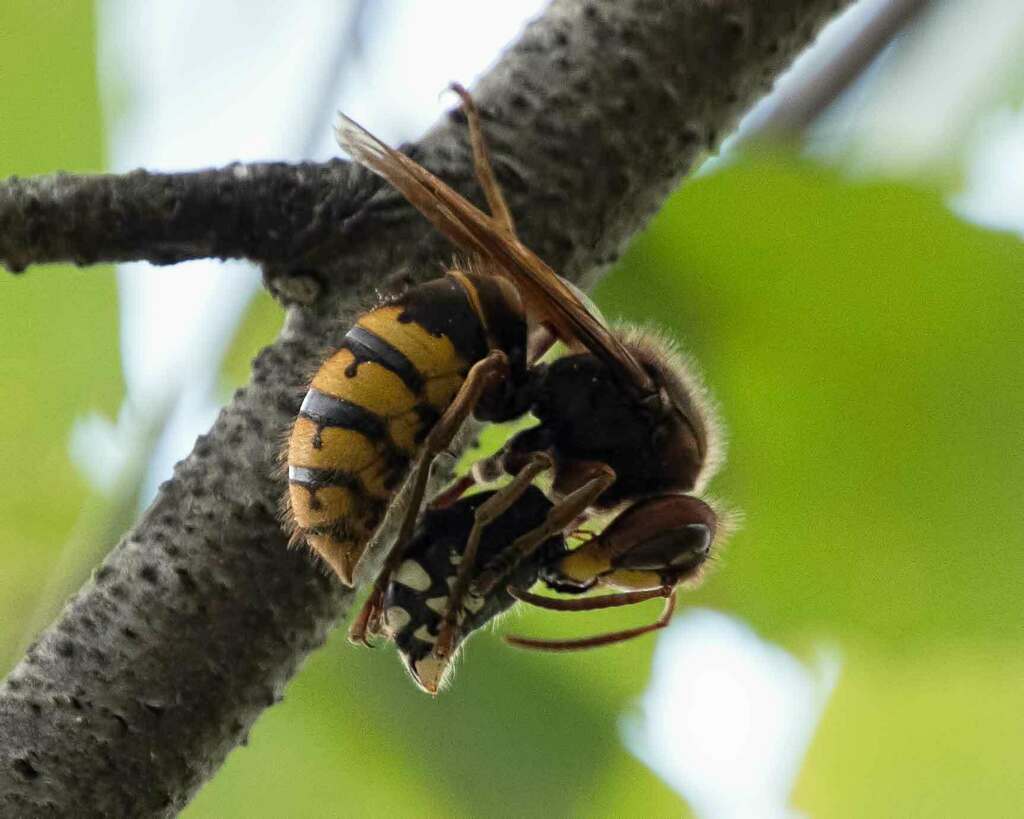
x: 429, y: 672
x: 437, y: 604
x: 473, y: 603
x: 413, y: 575
x: 396, y: 618
x: 422, y: 634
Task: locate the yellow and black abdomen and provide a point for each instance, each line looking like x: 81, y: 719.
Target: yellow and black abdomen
x: 367, y: 411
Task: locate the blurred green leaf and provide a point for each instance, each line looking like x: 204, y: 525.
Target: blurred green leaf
x: 934, y: 733
x: 49, y: 111
x: 259, y: 325
x: 60, y: 327
x: 516, y: 735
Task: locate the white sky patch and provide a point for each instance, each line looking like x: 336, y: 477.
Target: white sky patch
x: 415, y: 50
x: 994, y: 191
x: 728, y: 717
x: 98, y: 449
x: 188, y: 84
x: 953, y: 67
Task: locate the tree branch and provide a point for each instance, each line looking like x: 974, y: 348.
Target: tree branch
x: 266, y: 212
x: 158, y: 667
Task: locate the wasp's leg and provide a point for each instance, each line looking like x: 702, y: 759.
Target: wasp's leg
x: 599, y: 639
x: 480, y: 376
x: 482, y: 164
x: 558, y: 519
x: 484, y: 470
x: 451, y: 493
x: 491, y: 509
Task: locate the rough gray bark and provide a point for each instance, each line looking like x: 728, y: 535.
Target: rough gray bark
x: 158, y: 667
x: 263, y: 211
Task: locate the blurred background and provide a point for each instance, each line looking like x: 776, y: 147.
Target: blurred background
x: 850, y: 278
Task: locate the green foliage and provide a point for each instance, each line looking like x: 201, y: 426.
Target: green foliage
x: 59, y: 333
x: 260, y: 323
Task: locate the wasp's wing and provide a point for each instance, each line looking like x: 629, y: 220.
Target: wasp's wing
x: 548, y: 297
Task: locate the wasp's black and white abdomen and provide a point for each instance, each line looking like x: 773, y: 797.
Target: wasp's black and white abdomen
x: 416, y: 598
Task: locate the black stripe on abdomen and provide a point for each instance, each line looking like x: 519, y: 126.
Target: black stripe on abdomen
x: 366, y: 345
x: 442, y: 308
x: 329, y: 411
x: 313, y: 478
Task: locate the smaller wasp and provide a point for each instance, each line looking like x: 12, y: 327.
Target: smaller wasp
x: 632, y: 555
x: 418, y: 593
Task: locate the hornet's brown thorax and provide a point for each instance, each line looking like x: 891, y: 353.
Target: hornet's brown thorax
x: 654, y: 446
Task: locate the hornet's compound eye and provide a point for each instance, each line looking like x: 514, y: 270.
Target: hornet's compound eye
x: 685, y: 547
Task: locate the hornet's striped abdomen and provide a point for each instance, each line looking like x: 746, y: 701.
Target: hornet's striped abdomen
x: 370, y: 406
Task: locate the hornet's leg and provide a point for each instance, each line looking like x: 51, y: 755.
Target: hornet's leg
x: 480, y: 376
x: 482, y: 164
x: 484, y: 470
x: 541, y: 339
x: 559, y: 517
x: 451, y: 493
